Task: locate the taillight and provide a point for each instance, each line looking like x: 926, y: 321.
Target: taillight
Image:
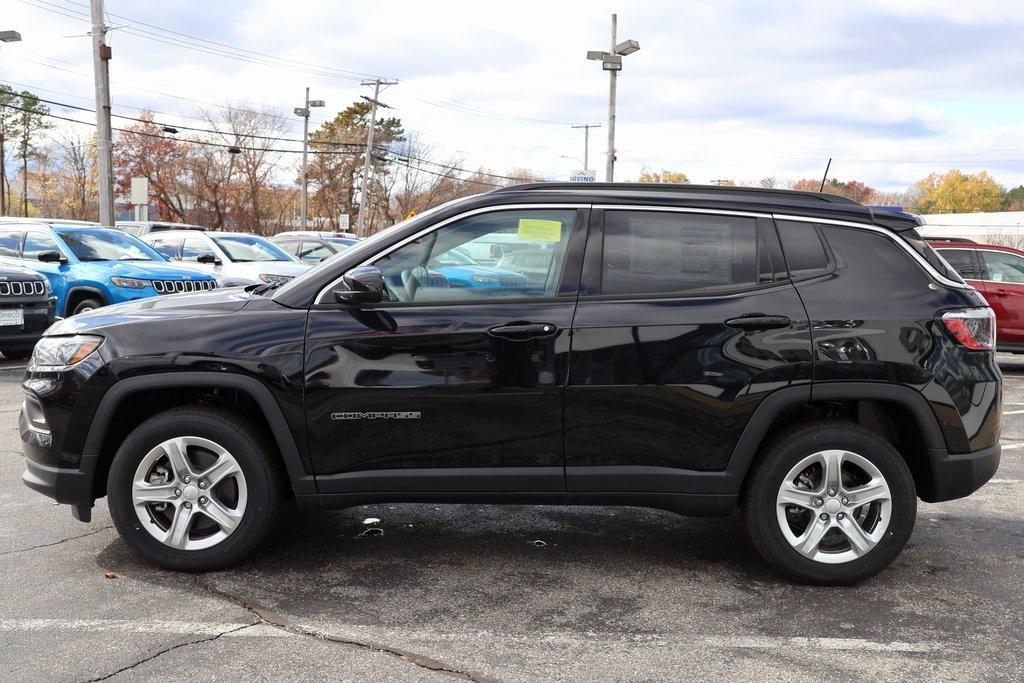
x: 972, y: 328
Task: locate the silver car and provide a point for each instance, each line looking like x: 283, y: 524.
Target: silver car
x: 236, y: 258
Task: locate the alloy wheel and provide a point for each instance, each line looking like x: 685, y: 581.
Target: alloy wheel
x: 834, y: 506
x: 189, y: 493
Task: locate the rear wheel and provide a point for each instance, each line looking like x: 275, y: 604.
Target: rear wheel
x: 194, y: 488
x: 830, y: 503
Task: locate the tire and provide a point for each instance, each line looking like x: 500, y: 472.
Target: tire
x: 248, y: 497
x: 777, y: 528
x: 86, y: 305
x: 16, y: 354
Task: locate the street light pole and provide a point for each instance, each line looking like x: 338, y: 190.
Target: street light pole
x: 5, y: 37
x: 613, y: 79
x: 611, y: 62
x: 104, y: 144
x: 304, y: 113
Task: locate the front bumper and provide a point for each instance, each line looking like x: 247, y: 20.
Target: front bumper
x: 956, y: 475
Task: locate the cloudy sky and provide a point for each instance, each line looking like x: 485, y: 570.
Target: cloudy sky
x: 892, y: 90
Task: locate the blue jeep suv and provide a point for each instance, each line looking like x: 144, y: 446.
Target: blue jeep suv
x: 90, y: 266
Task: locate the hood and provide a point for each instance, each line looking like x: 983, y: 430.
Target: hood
x: 480, y: 270
x: 255, y: 269
x: 12, y: 272
x: 217, y: 301
x: 151, y: 270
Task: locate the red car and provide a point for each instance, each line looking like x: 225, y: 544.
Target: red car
x: 998, y: 273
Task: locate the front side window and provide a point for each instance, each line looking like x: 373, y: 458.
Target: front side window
x: 1003, y: 266
x: 248, y: 248
x: 194, y: 247
x: 37, y: 243
x: 648, y: 252
x: 459, y: 261
x: 102, y: 244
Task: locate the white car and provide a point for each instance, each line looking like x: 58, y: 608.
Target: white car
x: 236, y: 258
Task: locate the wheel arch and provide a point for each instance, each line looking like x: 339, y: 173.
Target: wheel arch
x: 76, y: 293
x: 898, y: 414
x: 97, y: 451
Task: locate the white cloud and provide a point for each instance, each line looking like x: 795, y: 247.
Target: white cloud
x: 736, y: 89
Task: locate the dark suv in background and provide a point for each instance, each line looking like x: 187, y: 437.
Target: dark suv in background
x: 688, y: 348
x: 26, y: 310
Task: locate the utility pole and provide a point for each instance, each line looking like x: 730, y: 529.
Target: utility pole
x: 364, y: 181
x: 586, y: 142
x: 104, y: 147
x: 611, y: 62
x: 304, y: 113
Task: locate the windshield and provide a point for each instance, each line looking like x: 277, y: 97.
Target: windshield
x: 247, y: 248
x: 102, y: 244
x: 366, y: 248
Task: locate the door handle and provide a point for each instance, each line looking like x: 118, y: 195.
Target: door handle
x: 756, y: 321
x: 522, y: 331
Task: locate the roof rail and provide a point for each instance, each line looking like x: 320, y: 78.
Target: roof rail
x: 679, y: 188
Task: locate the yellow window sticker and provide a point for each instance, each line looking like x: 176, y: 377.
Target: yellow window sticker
x: 540, y: 230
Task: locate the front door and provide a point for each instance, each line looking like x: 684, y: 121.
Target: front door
x: 686, y: 322
x: 463, y: 366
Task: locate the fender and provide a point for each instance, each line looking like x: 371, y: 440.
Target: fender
x: 770, y: 408
x: 302, y: 483
x: 82, y: 288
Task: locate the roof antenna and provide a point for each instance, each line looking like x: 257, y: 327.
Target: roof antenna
x: 825, y: 177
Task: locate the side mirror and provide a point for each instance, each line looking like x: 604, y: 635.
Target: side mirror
x: 51, y: 257
x: 362, y: 285
x: 208, y: 258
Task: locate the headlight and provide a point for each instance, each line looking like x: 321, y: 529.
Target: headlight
x: 270, y: 278
x: 64, y: 351
x: 130, y: 282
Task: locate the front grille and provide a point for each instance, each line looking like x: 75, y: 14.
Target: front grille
x: 180, y: 286
x: 22, y: 288
x: 507, y: 281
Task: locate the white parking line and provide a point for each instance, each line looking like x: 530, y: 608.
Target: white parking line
x: 1011, y: 446
x: 375, y: 634
x: 1013, y: 412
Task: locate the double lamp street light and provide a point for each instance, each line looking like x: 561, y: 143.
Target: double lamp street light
x: 611, y: 62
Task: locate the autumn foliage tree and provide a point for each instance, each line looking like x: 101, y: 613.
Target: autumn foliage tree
x: 663, y: 176
x: 956, y: 192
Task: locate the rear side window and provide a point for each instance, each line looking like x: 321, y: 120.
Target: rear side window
x: 914, y: 239
x: 805, y: 253
x: 964, y: 261
x: 648, y: 252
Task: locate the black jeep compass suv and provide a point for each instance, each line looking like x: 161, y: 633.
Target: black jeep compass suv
x: 691, y: 348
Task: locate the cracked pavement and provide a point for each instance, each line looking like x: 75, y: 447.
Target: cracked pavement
x: 463, y: 592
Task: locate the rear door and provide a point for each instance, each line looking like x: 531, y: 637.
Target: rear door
x: 1004, y: 290
x: 686, y: 321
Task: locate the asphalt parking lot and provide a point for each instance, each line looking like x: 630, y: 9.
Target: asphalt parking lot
x: 508, y: 593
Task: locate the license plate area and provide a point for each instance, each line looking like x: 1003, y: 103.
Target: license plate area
x: 12, y: 317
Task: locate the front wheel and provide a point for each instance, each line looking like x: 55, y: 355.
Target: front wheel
x: 829, y: 503
x: 194, y: 489
x: 86, y: 305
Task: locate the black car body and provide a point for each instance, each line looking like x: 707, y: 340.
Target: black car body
x: 26, y: 310
x: 643, y: 373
